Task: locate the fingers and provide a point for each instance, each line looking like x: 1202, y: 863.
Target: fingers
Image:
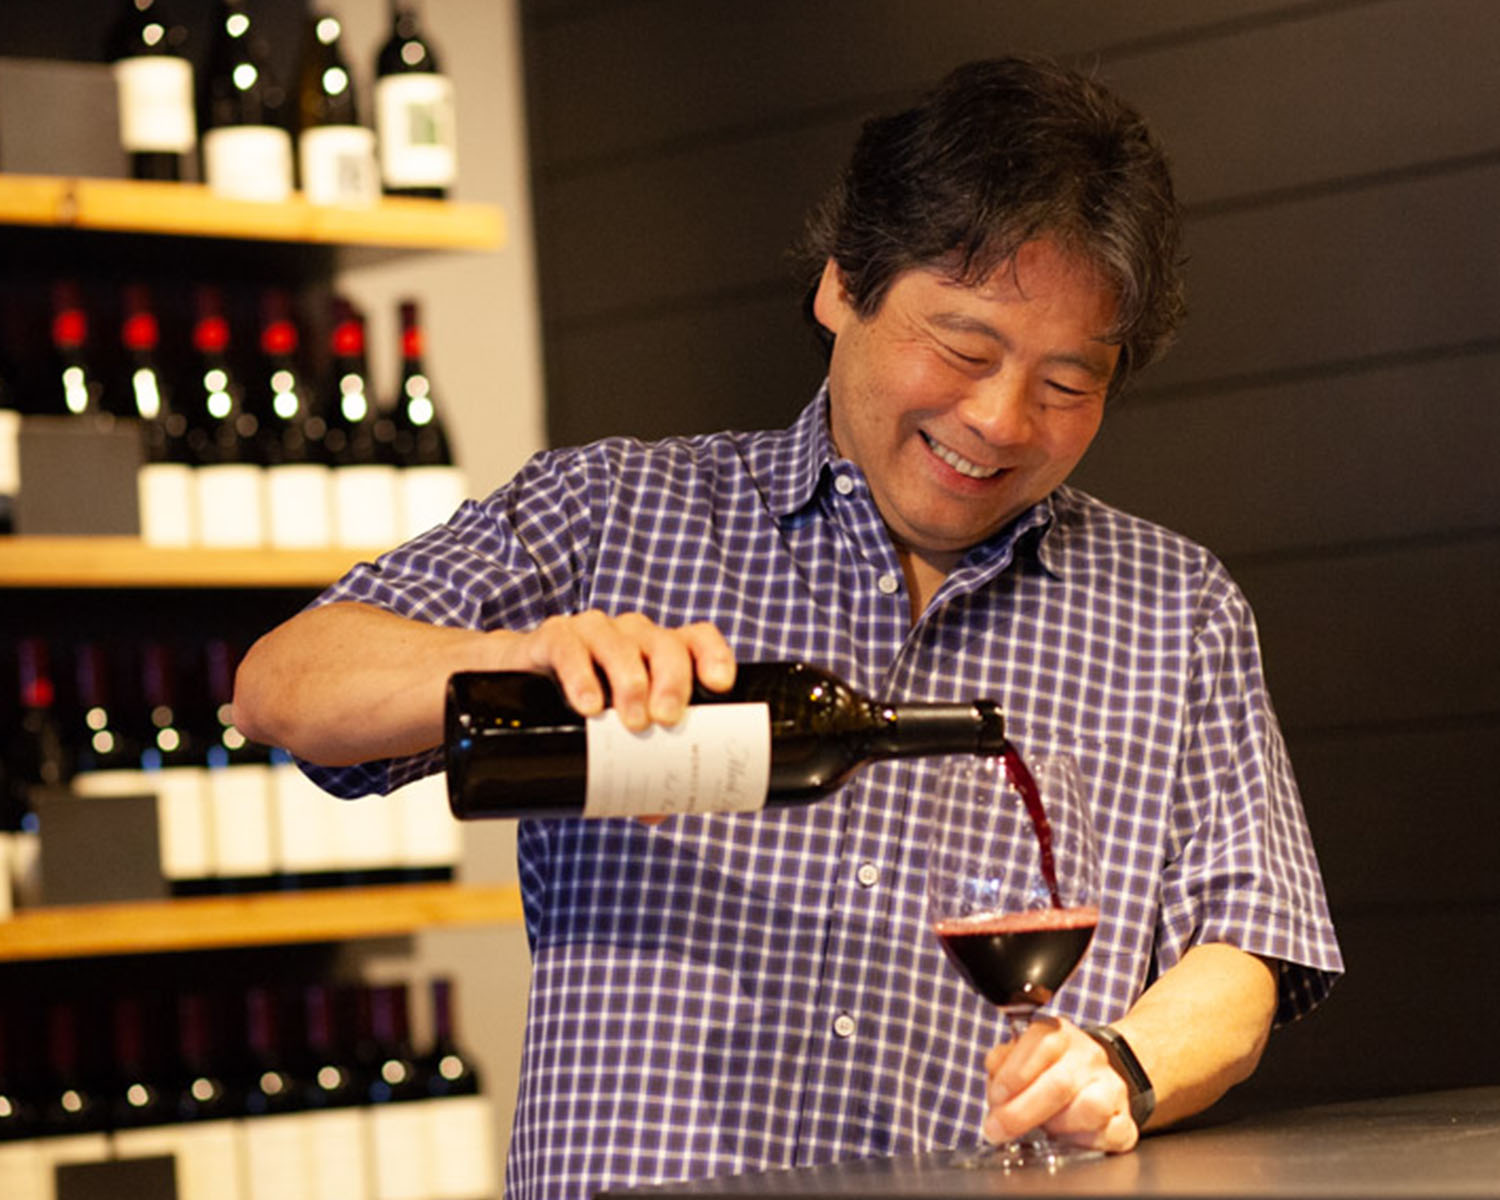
x: 1058, y: 1078
x: 649, y: 670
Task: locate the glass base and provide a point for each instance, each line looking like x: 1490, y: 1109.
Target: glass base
x: 1029, y: 1152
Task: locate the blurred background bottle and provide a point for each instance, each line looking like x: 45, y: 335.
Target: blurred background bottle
x: 414, y: 111
x: 154, y: 84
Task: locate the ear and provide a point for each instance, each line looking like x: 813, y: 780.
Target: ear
x: 831, y: 302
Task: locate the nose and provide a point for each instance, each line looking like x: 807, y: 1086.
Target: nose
x: 997, y: 408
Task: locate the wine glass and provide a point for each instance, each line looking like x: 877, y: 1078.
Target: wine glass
x: 1013, y: 896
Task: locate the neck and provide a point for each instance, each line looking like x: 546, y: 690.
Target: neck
x: 924, y: 575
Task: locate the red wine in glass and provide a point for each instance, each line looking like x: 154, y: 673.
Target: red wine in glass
x: 1013, y: 896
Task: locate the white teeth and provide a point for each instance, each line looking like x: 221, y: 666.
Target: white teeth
x: 958, y: 462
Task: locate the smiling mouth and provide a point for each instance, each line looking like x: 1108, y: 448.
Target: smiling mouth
x: 958, y: 462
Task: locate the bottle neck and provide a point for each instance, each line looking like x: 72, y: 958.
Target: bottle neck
x: 909, y: 730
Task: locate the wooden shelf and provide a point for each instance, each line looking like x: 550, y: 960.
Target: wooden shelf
x: 191, y: 210
x: 273, y: 918
x: 125, y: 562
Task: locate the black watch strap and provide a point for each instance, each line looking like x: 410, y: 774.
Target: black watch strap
x: 1128, y: 1067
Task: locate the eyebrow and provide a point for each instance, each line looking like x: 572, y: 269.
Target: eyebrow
x: 964, y: 323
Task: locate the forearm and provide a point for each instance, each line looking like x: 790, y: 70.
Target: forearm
x: 349, y: 683
x: 1201, y: 1028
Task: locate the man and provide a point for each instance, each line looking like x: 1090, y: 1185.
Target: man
x: 715, y: 994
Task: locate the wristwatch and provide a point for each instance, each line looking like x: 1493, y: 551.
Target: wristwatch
x: 1128, y: 1067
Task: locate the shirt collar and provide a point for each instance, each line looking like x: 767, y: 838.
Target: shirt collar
x: 809, y: 461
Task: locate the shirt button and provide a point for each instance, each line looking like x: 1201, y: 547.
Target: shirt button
x: 843, y: 485
x: 843, y: 1025
x: 888, y: 584
x: 867, y: 874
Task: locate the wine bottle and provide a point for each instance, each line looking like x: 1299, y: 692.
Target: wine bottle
x: 139, y: 1097
x: 102, y: 744
x: 74, y: 1120
x: 298, y: 478
x: 154, y: 82
x: 20, y: 1166
x: 79, y: 388
x: 223, y: 435
x: 34, y: 757
x: 431, y: 485
x: 360, y: 440
x: 165, y: 481
x: 338, y: 1134
x: 238, y: 783
x: 398, y: 1119
x: 414, y: 115
x: 460, y: 1125
x: 273, y: 1132
x: 206, y: 1138
x: 786, y: 733
x: 174, y: 767
x: 247, y: 149
x: 335, y: 152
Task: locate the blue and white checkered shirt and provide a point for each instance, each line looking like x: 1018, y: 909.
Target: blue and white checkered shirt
x: 719, y: 994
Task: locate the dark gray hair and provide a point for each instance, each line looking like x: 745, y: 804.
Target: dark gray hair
x: 999, y: 153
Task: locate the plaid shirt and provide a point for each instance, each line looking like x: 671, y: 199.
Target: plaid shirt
x: 720, y: 994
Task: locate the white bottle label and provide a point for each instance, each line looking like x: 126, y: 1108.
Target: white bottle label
x: 365, y: 508
x: 398, y: 1138
x: 365, y: 832
x: 156, y: 104
x: 7, y: 895
x: 299, y: 506
x: 167, y: 497
x: 275, y: 1157
x: 338, y: 165
x: 429, y: 496
x: 429, y: 834
x: 231, y: 502
x: 338, y: 1154
x: 182, y: 821
x: 249, y: 162
x: 240, y: 801
x: 716, y: 759
x: 414, y: 117
x: 304, y: 814
x: 461, y: 1134
x: 10, y: 452
x: 23, y: 1175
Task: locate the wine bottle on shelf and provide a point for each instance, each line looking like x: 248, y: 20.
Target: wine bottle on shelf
x: 273, y: 1133
x: 292, y: 432
x: 36, y: 757
x: 247, y: 148
x: 139, y: 1097
x: 394, y: 1091
x: 106, y: 759
x: 79, y: 390
x: 336, y: 1122
x: 335, y: 152
x: 20, y: 1165
x: 175, y: 772
x: 223, y: 435
x: 165, y: 481
x: 414, y: 112
x: 206, y: 1139
x: 154, y: 83
x: 432, y: 486
x: 10, y: 417
x: 361, y: 441
x: 786, y: 733
x: 74, y: 1119
x: 238, y: 784
x: 460, y: 1124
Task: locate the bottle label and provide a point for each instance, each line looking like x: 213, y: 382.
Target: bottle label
x: 168, y: 502
x: 303, y: 816
x: 365, y: 506
x: 398, y: 1138
x: 240, y: 819
x: 182, y: 819
x: 429, y: 834
x: 716, y: 759
x: 338, y: 165
x: 231, y: 500
x: 156, y: 104
x: 461, y: 1132
x: 299, y: 506
x: 414, y: 117
x: 340, y: 1154
x: 429, y: 496
x: 249, y: 162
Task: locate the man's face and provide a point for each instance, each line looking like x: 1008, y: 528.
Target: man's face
x: 966, y: 405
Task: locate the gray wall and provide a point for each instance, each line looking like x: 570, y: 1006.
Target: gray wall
x: 1328, y: 423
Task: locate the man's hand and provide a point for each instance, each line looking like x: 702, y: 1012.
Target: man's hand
x: 649, y: 669
x: 1057, y: 1077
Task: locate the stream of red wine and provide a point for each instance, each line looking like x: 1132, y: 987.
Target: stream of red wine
x: 1020, y: 776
